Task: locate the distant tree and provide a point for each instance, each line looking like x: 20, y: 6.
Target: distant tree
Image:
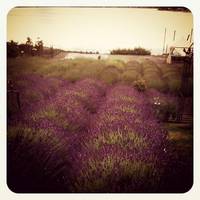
x: 39, y: 47
x: 12, y: 49
x: 135, y: 51
x: 141, y: 51
x: 29, y: 41
x: 29, y: 46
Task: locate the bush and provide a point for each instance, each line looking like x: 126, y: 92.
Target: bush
x: 149, y: 65
x: 134, y: 65
x: 110, y: 75
x: 129, y: 76
x: 12, y: 49
x: 174, y: 85
x: 156, y: 83
x: 140, y: 85
x: 119, y: 64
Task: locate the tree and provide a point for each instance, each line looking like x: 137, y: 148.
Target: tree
x: 12, y: 49
x: 29, y: 46
x: 39, y: 47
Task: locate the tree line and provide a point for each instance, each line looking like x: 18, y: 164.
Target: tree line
x: 30, y: 49
x: 135, y: 51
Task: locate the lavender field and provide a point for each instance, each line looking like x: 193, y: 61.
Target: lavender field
x: 86, y: 125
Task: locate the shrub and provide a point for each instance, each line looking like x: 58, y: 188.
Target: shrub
x: 174, y: 85
x: 110, y: 75
x: 156, y: 83
x: 72, y: 75
x: 140, y: 85
x: 119, y: 64
x: 12, y: 49
x: 129, y: 76
x: 123, y: 148
x: 134, y: 65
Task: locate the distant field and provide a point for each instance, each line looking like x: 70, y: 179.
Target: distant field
x: 126, y: 69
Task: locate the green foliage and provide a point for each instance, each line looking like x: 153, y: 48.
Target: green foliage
x: 174, y: 85
x: 110, y: 75
x: 29, y: 135
x: 126, y: 168
x: 136, y: 169
x: 12, y: 49
x: 29, y: 49
x: 87, y: 183
x: 35, y: 96
x: 128, y: 139
x: 129, y: 76
x: 140, y: 85
x: 127, y: 109
x: 156, y: 83
x: 127, y: 99
x: 49, y: 113
x: 119, y: 64
x: 149, y: 63
x: 134, y: 65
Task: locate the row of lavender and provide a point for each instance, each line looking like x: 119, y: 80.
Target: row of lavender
x: 80, y: 140
x: 40, y: 139
x: 124, y: 148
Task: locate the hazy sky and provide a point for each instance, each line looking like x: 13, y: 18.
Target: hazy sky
x: 99, y: 29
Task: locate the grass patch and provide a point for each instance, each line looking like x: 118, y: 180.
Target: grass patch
x: 128, y: 140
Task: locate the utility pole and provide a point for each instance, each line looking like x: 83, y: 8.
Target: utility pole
x: 188, y: 37
x: 164, y: 40
x: 191, y: 34
x: 174, y: 37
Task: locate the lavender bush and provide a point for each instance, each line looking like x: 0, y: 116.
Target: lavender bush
x: 47, y: 131
x: 123, y: 149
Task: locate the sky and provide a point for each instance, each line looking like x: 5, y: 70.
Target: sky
x: 99, y: 29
